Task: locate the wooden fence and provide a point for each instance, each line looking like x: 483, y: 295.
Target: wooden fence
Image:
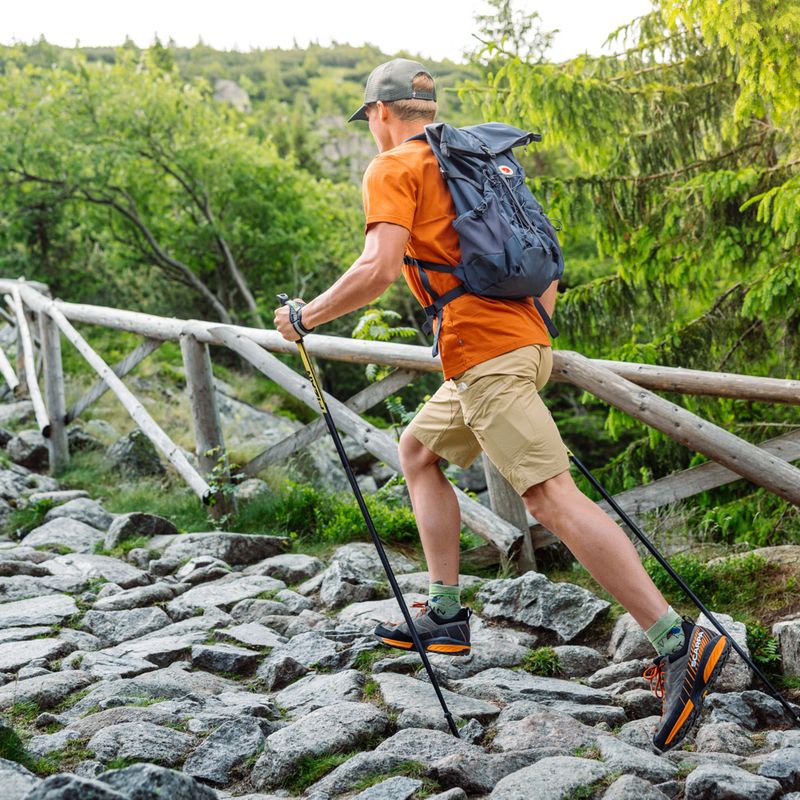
x: 510, y: 532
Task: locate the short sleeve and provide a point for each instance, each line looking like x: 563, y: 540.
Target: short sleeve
x: 389, y: 192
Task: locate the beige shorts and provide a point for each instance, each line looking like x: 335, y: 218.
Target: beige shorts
x: 495, y: 407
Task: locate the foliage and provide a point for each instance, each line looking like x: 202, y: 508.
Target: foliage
x: 23, y: 520
x: 542, y: 661
x: 310, y: 769
x: 764, y: 648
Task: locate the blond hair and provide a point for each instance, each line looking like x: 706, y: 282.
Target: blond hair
x: 411, y: 109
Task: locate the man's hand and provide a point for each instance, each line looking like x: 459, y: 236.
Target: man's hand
x: 282, y: 324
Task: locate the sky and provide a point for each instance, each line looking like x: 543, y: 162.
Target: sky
x: 432, y: 28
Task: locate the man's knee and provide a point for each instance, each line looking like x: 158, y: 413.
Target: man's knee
x: 546, y: 498
x: 413, y: 454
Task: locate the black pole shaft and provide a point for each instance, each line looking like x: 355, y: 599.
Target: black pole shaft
x: 677, y: 578
x: 312, y: 376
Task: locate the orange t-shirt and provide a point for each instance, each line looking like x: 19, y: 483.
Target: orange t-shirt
x: 405, y: 187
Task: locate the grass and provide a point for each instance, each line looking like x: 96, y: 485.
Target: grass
x: 310, y: 769
x: 366, y: 659
x: 408, y: 769
x: 23, y: 520
x: 63, y: 760
x: 542, y: 661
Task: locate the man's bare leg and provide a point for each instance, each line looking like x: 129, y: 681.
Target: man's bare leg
x: 435, y: 508
x: 598, y: 543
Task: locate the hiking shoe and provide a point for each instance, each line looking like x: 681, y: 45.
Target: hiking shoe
x: 682, y: 679
x: 437, y: 635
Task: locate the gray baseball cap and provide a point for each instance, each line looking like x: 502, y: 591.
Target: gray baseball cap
x: 392, y: 81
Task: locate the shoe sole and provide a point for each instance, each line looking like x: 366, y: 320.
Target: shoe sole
x: 695, y: 705
x: 447, y: 646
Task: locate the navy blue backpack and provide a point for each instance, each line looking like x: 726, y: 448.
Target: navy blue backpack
x: 509, y: 248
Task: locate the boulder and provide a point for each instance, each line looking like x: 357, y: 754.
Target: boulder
x: 397, y: 788
x: 783, y: 766
x: 479, y: 773
x: 577, y: 661
x: 550, y: 779
x: 15, y: 779
x: 787, y: 633
x: 46, y: 691
x: 623, y: 758
x: 541, y: 728
x: 715, y: 781
x: 629, y: 787
x: 533, y: 600
x: 29, y: 449
x: 73, y: 787
x: 317, y: 691
x: 114, y: 627
x: 85, y: 566
x: 13, y: 655
x: 723, y: 737
x: 146, y: 781
x: 628, y: 641
x: 82, y: 509
x: 65, y: 532
x: 250, y: 489
x: 224, y: 658
x: 134, y: 525
x: 287, y: 567
x: 136, y: 455
x: 142, y: 741
x: 336, y: 728
x: 222, y: 593
x: 236, y: 549
x: 224, y: 750
x: 51, y: 610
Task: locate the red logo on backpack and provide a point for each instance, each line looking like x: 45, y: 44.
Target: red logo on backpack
x: 505, y: 170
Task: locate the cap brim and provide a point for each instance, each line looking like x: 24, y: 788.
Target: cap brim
x: 361, y: 114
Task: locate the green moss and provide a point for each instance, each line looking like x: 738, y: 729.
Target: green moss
x: 542, y: 661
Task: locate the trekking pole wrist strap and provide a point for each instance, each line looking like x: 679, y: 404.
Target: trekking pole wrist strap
x: 296, y: 318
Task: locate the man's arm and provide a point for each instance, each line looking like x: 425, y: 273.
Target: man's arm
x: 373, y: 272
x: 548, y: 298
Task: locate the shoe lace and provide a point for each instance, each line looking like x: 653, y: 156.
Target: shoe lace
x: 655, y: 674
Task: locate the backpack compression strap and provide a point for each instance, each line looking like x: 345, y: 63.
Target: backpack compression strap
x: 435, y: 311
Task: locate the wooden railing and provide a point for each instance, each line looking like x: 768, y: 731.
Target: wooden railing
x: 510, y: 532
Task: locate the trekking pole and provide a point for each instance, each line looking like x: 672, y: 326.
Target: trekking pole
x: 312, y: 376
x: 677, y: 578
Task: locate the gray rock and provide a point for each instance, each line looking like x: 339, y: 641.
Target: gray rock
x: 148, y: 781
x: 751, y: 709
x: 310, y: 650
x: 450, y: 794
x: 65, y: 532
x: 12, y: 485
x: 201, y: 569
x: 142, y: 741
x: 21, y: 411
x: 20, y: 634
x: 253, y: 634
x: 397, y: 788
x: 250, y: 489
x: 317, y: 691
x: 639, y: 733
x: 589, y: 714
x: 723, y: 737
x: 507, y: 686
x: 279, y: 671
x: 353, y: 772
x: 29, y: 449
x: 424, y: 746
x: 577, y: 661
x: 340, y: 587
x: 82, y: 509
x: 85, y: 566
x: 140, y: 596
x: 288, y: 567
x: 551, y: 778
x: 222, y: 593
x: 236, y: 549
x: 134, y: 525
x: 787, y: 633
x: 336, y: 728
x: 56, y: 498
x: 618, y: 672
x: 479, y: 773
x: 16, y: 780
x: 72, y: 787
x: 113, y: 627
x: 43, y: 745
x: 224, y: 658
x: 628, y: 641
x: 224, y: 750
x: 258, y: 610
x: 621, y: 757
x: 402, y: 693
x: 533, y: 600
x: 639, y: 703
x: 783, y: 766
x: 630, y: 787
x: 539, y: 729
x: 135, y: 454
x: 293, y: 601
x: 37, y: 611
x: 22, y: 587
x: 13, y: 656
x: 46, y: 691
x: 718, y: 781
x: 735, y: 675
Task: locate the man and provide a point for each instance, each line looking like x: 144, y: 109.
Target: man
x: 496, y: 356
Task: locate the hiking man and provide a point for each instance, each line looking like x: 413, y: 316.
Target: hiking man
x: 496, y: 357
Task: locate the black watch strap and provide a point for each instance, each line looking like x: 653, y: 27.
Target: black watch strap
x: 296, y: 318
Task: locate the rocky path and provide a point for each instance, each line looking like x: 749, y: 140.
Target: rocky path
x: 212, y: 665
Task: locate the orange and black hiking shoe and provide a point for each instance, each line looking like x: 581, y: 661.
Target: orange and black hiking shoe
x: 436, y: 634
x: 682, y: 679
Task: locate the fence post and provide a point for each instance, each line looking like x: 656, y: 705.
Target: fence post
x: 57, y: 442
x: 209, y: 444
x: 506, y: 503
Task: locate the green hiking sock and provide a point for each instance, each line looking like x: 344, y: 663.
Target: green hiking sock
x: 444, y: 599
x: 666, y: 635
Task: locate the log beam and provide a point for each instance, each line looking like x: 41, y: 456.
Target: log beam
x: 57, y: 443
x: 42, y: 419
